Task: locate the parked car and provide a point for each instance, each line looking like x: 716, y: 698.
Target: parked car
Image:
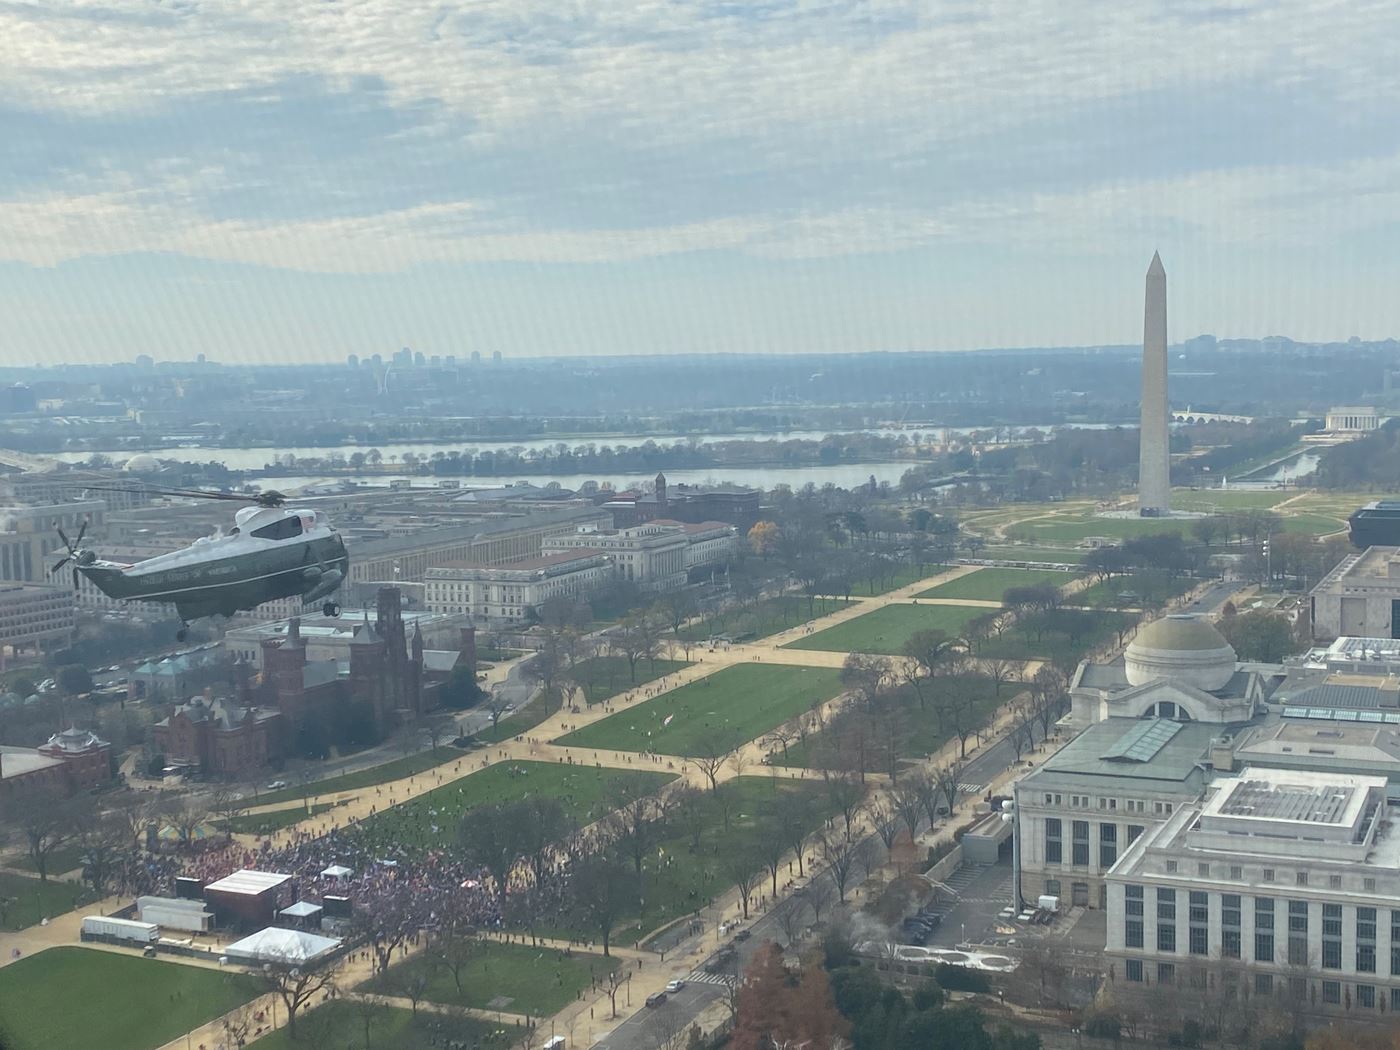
x: 656, y: 998
x: 743, y: 935
x: 675, y: 986
x: 276, y: 785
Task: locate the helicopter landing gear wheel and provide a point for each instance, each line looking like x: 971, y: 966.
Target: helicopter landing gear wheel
x: 330, y: 609
x: 183, y: 633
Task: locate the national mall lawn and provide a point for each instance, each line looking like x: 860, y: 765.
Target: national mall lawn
x: 721, y: 711
x: 81, y: 997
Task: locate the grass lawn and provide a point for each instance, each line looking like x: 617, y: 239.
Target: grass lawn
x: 1312, y: 524
x: 517, y: 722
x: 35, y: 899
x: 1073, y: 528
x: 1053, y: 555
x: 1150, y: 586
x: 887, y: 629
x: 582, y: 789
x: 340, y: 1024
x: 60, y: 861
x: 77, y: 997
x: 763, y: 618
x: 397, y: 769
x: 678, y: 878
x: 1228, y: 499
x: 726, y: 709
x: 1015, y: 645
x: 603, y: 677
x: 919, y: 734
x: 275, y: 820
x: 860, y: 587
x: 990, y: 584
x: 535, y: 981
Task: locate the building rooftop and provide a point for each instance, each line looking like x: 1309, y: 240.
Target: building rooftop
x: 1310, y: 803
x: 544, y: 561
x: 248, y: 882
x: 1123, y: 749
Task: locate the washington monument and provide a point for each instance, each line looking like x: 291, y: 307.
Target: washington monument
x: 1154, y: 470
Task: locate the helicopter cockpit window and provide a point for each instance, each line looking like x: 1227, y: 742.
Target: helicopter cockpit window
x: 283, y: 529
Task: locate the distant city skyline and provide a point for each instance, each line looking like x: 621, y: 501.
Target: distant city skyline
x: 294, y: 183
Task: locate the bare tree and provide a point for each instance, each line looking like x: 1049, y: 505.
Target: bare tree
x: 1000, y: 671
x: 948, y: 779
x: 48, y: 821
x: 738, y: 762
x: 793, y: 822
x: 136, y: 811
x: 709, y: 760
x: 497, y: 704
x: 296, y: 986
x: 614, y: 982
x: 840, y: 854
x: 101, y: 839
x: 886, y: 821
x: 743, y: 869
x: 818, y: 894
x: 846, y: 794
x: 371, y: 1013
x: 909, y: 805
x: 227, y: 805
x: 792, y: 915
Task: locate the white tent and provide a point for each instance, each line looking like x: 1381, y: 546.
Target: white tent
x: 287, y: 947
x: 338, y: 871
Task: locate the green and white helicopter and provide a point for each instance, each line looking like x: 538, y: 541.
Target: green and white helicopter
x: 272, y: 551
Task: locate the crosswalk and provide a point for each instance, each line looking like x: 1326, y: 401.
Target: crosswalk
x: 972, y: 789
x: 701, y: 977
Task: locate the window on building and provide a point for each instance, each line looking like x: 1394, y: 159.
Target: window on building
x: 1166, y: 936
x: 1263, y: 984
x: 1268, y: 874
x: 1236, y: 872
x: 1108, y: 845
x: 1171, y: 867
x: 1203, y: 870
x: 1366, y: 996
x: 1334, y: 882
x: 1297, y: 916
x: 1134, y: 830
x: 1053, y: 849
x: 1331, y: 992
x: 1132, y: 933
x: 1395, y: 999
x: 1230, y: 926
x: 1080, y: 831
x: 1197, y: 942
x: 1132, y: 969
x: 1369, y: 885
x: 1052, y: 887
x: 1365, y: 940
x: 1300, y: 878
x: 1166, y: 973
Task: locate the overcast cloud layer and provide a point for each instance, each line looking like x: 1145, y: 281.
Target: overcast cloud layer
x: 271, y: 181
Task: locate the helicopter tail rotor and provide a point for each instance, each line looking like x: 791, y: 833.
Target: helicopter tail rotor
x: 75, y: 554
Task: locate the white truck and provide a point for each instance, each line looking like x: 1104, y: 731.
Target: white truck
x: 100, y: 927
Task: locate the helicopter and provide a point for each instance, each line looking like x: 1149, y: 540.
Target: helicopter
x: 272, y: 551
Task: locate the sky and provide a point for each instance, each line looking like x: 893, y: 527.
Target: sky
x: 265, y: 181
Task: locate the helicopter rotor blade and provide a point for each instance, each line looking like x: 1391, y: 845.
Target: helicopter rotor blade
x: 75, y: 577
x: 64, y: 561
x: 79, y: 541
x: 64, y: 537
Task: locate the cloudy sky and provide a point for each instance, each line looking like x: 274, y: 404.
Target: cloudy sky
x: 276, y: 180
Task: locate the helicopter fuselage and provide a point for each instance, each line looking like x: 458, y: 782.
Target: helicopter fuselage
x: 272, y: 554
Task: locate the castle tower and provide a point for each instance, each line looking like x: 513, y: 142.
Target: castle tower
x: 1154, y: 463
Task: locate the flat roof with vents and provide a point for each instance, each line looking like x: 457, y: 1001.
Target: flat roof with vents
x: 1273, y: 801
x: 1261, y: 798
x: 1142, y: 742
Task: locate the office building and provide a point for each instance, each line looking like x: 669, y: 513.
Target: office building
x: 1277, y: 883
x: 1360, y: 597
x: 34, y: 617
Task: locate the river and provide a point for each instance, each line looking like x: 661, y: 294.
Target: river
x: 257, y: 458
